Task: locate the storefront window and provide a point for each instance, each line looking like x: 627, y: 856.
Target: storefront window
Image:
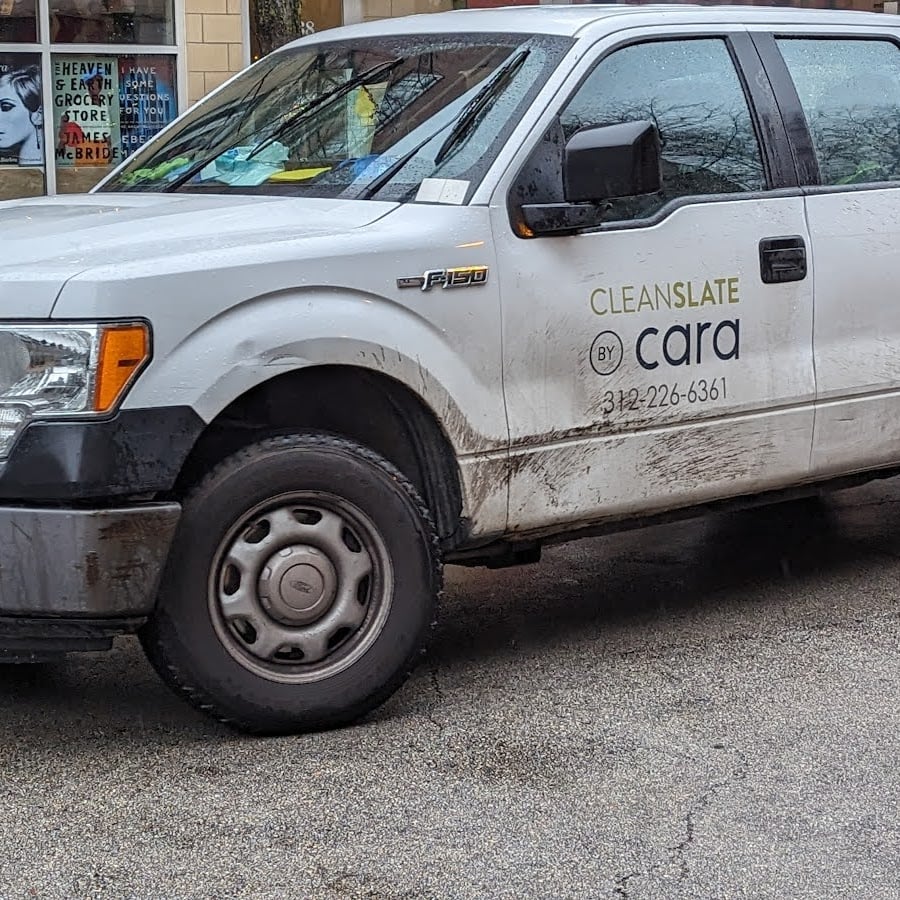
x: 21, y: 126
x: 105, y: 108
x: 111, y: 21
x: 18, y: 21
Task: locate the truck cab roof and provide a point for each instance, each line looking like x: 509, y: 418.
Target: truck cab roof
x: 592, y: 21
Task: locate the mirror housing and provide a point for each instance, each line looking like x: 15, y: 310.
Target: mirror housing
x: 605, y: 163
x: 612, y: 162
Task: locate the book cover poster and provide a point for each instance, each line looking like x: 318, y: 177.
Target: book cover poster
x: 147, y: 99
x: 86, y: 111
x: 21, y: 110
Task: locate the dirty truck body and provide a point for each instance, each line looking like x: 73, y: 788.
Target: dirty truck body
x: 488, y: 279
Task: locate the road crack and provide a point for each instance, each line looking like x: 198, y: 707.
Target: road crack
x: 621, y: 884
x: 438, y: 701
x: 678, y: 852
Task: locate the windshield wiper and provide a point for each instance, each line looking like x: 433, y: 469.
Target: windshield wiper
x: 462, y: 125
x: 342, y: 90
x: 476, y: 105
x: 382, y: 178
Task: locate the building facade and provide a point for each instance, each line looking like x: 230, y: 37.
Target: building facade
x: 85, y: 83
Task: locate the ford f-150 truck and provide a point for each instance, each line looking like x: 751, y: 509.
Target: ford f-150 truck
x: 440, y: 290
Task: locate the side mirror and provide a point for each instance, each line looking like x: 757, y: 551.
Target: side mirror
x: 605, y: 163
x: 612, y: 162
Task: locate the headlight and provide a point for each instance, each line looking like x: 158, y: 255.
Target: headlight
x: 63, y: 370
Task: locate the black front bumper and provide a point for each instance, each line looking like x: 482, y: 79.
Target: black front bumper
x: 81, y: 549
x: 137, y: 451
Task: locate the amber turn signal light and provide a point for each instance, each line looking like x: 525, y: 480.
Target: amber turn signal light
x: 523, y: 230
x: 123, y: 351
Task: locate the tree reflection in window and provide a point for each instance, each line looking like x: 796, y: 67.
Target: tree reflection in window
x: 691, y: 91
x: 850, y: 93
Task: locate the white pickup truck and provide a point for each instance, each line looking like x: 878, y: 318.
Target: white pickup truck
x: 440, y: 289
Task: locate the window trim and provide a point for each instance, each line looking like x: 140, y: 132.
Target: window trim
x: 794, y: 114
x: 771, y: 132
x: 679, y: 203
x: 777, y: 160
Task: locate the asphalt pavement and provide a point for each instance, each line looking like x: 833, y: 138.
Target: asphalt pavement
x: 706, y: 709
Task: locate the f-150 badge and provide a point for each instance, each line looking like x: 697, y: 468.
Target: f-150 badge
x: 464, y: 276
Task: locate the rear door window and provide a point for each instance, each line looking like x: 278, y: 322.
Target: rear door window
x: 850, y: 93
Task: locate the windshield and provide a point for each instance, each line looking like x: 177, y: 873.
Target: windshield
x: 397, y: 118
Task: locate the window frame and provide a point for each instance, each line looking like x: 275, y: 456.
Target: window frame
x: 775, y: 149
x: 792, y: 112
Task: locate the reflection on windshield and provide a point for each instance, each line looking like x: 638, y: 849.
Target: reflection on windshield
x: 361, y: 120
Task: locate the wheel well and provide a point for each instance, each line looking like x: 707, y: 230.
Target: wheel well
x: 364, y: 406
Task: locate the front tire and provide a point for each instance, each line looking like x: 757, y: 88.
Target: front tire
x: 300, y: 589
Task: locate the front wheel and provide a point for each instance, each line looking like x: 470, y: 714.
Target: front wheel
x: 301, y: 586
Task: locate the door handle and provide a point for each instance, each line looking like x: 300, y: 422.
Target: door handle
x: 782, y: 259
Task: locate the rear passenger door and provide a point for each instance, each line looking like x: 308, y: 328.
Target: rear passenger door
x: 842, y: 95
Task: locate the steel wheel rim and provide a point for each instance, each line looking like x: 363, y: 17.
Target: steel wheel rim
x: 300, y: 587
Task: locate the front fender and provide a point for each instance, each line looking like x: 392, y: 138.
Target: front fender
x: 257, y: 340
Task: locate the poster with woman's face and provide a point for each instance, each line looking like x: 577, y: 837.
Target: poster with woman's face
x: 21, y: 110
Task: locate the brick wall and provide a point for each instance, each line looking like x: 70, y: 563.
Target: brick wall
x: 384, y: 9
x: 18, y: 182
x: 215, y: 50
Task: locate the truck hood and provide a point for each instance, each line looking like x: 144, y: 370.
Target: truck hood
x: 48, y: 240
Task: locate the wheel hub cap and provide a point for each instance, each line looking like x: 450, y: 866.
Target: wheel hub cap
x: 301, y: 587
x: 298, y: 585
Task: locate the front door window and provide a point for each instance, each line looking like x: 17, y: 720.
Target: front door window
x: 691, y: 91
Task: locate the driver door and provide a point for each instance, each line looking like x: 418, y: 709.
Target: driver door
x: 652, y: 363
